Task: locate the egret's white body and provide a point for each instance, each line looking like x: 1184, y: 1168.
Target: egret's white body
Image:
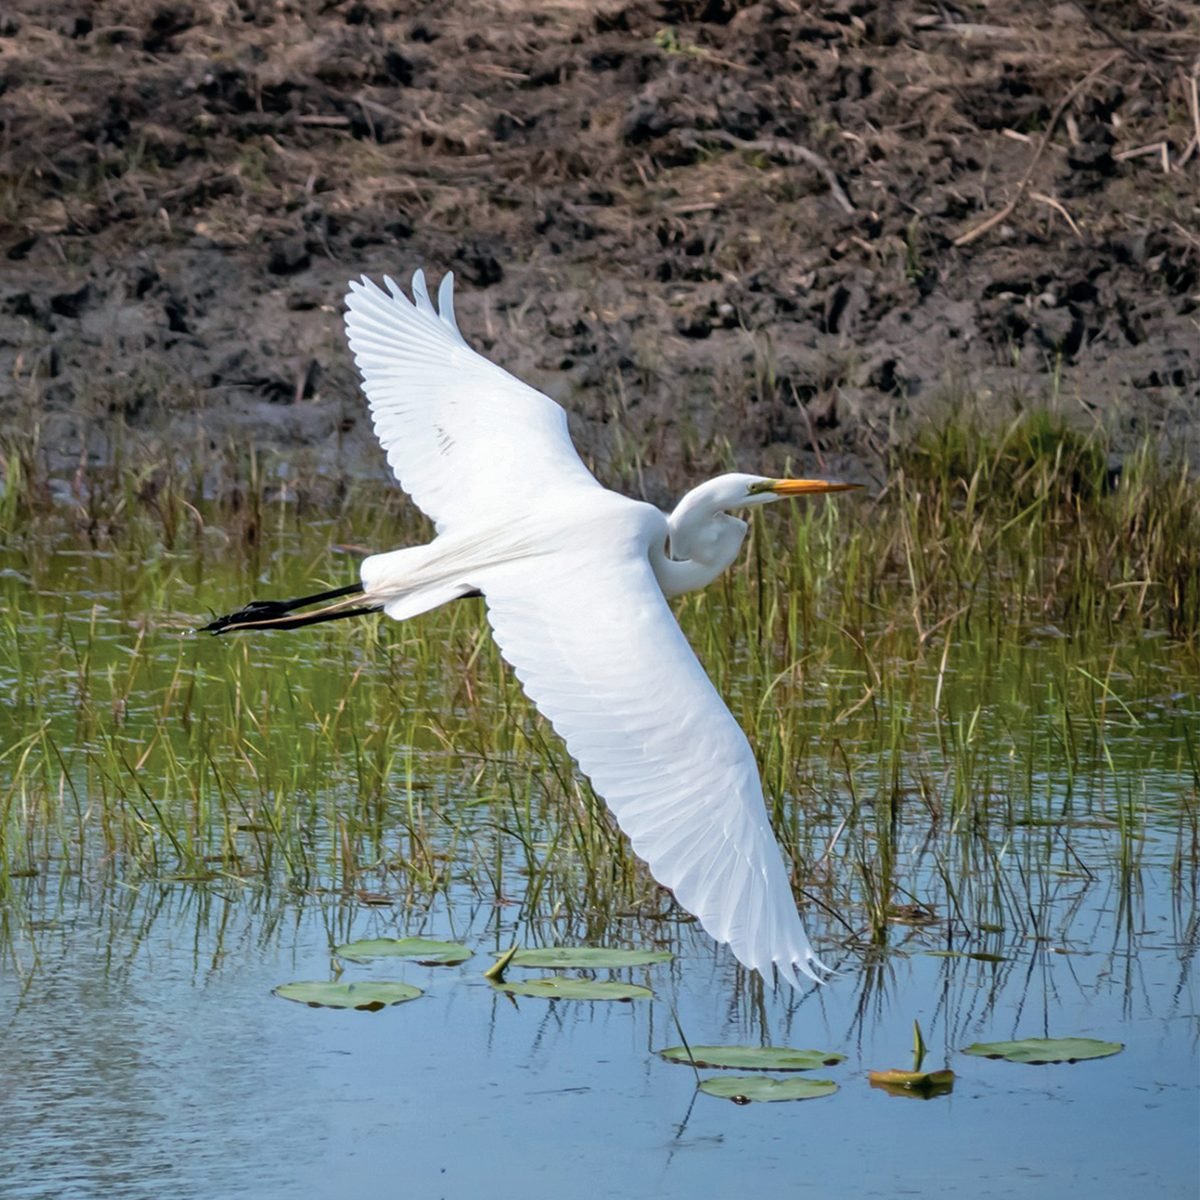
x: 576, y: 580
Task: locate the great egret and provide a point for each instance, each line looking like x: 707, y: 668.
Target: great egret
x: 576, y: 580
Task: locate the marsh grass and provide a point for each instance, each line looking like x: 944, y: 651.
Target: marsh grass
x: 972, y: 697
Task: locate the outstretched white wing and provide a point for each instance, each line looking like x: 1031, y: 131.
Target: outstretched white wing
x: 591, y: 638
x: 463, y: 436
x: 577, y: 611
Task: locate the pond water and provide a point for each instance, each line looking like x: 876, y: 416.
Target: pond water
x: 146, y: 1056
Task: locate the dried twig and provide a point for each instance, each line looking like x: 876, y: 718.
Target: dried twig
x: 778, y: 148
x: 501, y: 72
x: 1157, y: 148
x: 1190, y: 89
x: 334, y: 122
x: 813, y: 444
x: 1118, y: 40
x: 1194, y: 104
x: 1058, y: 207
x: 965, y: 239
x: 1186, y: 235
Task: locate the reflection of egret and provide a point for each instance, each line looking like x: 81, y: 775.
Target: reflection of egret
x: 575, y: 578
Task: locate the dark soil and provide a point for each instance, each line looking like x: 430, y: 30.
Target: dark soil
x: 713, y: 231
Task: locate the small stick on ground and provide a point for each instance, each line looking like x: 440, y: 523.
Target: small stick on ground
x: 1194, y: 104
x: 1193, y: 99
x: 965, y: 239
x: 1058, y: 207
x: 1117, y: 40
x: 779, y: 148
x: 813, y: 444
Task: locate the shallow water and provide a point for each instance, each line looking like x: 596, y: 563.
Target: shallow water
x: 146, y: 1056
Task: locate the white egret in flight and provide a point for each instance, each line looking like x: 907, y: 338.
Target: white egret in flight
x: 576, y: 580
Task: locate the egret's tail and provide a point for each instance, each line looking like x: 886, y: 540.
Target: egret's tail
x: 275, y: 614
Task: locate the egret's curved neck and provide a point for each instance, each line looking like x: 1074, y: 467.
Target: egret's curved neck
x: 676, y: 576
x: 703, y: 540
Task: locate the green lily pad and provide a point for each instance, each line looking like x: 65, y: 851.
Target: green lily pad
x: 742, y: 1089
x: 426, y: 951
x: 367, y: 996
x: 558, y: 988
x: 752, y: 1058
x: 1038, y: 1051
x: 587, y: 957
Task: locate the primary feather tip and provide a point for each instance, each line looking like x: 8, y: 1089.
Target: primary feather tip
x: 361, y: 292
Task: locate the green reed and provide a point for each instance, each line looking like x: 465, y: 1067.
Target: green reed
x: 957, y: 691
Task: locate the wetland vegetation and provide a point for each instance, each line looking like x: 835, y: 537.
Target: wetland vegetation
x: 1009, y: 618
x: 973, y: 696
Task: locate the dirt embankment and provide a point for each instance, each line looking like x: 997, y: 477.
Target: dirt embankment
x: 709, y: 229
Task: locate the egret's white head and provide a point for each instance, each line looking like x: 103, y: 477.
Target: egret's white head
x: 763, y: 491
x: 701, y: 527
x: 744, y: 491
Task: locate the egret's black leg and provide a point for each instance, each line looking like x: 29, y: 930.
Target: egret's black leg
x: 273, y: 614
x: 234, y: 623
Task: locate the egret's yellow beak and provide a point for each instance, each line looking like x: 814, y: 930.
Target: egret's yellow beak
x: 801, y: 487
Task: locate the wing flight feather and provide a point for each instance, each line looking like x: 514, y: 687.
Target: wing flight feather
x: 597, y: 649
x: 462, y: 435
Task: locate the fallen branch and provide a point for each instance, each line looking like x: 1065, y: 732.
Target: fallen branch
x: 965, y: 239
x: 778, y: 148
x: 1119, y: 41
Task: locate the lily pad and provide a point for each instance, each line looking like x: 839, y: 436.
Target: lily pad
x: 426, y: 951
x: 752, y: 1058
x: 742, y: 1089
x: 1039, y: 1051
x: 368, y: 996
x: 557, y: 988
x: 588, y: 957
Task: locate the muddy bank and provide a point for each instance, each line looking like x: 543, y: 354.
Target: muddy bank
x: 713, y: 231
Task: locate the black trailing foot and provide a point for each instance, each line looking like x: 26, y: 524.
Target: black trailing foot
x: 275, y: 614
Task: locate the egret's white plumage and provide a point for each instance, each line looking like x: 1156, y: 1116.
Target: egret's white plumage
x: 575, y: 578
x: 463, y: 436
